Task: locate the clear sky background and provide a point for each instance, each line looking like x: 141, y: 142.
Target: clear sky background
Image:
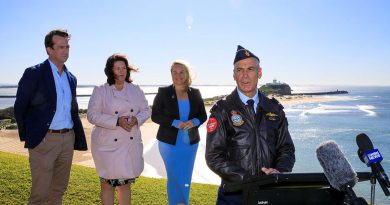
x: 300, y: 42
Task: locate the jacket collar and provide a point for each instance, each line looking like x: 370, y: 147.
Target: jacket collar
x: 264, y: 102
x: 112, y: 87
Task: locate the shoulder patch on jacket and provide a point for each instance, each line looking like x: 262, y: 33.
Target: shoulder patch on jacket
x: 212, y: 125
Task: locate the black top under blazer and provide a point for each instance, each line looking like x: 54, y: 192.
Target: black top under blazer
x: 165, y: 110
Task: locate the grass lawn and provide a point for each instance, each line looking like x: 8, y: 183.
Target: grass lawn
x: 15, y: 183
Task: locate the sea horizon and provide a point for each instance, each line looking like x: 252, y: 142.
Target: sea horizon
x: 9, y: 85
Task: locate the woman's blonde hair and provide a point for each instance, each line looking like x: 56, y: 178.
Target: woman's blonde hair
x: 187, y: 69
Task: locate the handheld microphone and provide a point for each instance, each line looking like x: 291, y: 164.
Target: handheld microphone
x: 372, y: 158
x: 338, y: 170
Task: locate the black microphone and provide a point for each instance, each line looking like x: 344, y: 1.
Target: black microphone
x: 338, y: 171
x: 372, y: 158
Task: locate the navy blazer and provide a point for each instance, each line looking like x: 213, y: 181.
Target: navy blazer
x: 165, y: 109
x: 35, y: 106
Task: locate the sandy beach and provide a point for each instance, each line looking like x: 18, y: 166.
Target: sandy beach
x: 154, y: 167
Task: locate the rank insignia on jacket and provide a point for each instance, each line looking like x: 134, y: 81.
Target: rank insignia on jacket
x: 272, y: 116
x: 236, y: 119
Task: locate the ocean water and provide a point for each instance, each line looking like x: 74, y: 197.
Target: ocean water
x: 366, y: 110
x: 363, y: 110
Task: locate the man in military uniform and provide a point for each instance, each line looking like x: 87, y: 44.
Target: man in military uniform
x: 247, y: 133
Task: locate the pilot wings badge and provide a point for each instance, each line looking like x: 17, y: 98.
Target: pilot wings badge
x: 272, y: 116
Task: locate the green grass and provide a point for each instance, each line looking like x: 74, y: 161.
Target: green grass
x: 15, y: 182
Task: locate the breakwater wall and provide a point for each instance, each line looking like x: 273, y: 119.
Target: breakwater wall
x: 337, y: 92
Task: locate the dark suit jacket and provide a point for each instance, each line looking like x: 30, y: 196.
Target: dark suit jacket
x: 165, y: 109
x: 35, y: 106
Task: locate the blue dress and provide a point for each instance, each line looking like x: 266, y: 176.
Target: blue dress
x: 179, y: 160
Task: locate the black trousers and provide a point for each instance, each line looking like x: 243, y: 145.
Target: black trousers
x: 228, y: 199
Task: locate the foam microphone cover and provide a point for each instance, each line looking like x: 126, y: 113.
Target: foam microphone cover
x: 337, y: 169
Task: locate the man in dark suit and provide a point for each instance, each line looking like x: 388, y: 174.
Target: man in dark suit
x: 46, y: 112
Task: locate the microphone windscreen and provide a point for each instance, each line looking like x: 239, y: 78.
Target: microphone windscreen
x: 364, y: 143
x: 337, y: 169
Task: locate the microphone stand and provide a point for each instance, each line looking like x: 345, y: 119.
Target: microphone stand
x: 351, y: 198
x: 373, y: 183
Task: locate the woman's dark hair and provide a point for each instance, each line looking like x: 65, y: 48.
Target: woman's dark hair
x: 108, y: 70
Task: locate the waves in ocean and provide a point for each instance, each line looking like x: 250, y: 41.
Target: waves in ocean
x: 323, y: 109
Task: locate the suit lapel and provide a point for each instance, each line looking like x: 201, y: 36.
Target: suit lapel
x: 50, y: 84
x: 192, y: 101
x: 173, y: 100
x: 71, y: 81
x: 72, y: 85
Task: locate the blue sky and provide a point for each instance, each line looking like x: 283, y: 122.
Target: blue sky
x: 300, y: 42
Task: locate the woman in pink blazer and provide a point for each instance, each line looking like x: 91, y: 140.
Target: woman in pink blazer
x: 117, y: 109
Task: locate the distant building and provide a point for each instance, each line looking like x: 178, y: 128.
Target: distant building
x: 276, y: 88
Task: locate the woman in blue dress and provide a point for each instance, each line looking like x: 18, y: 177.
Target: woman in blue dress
x: 179, y: 110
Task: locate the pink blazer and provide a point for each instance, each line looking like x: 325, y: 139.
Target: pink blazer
x: 117, y: 153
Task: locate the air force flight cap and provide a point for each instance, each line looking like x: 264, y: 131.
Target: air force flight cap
x: 242, y: 53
